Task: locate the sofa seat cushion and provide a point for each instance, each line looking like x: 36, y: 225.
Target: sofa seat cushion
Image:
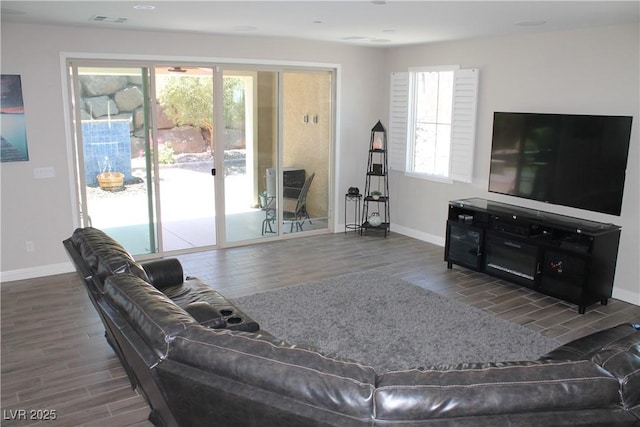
x: 150, y: 313
x: 104, y: 255
x: 494, y: 388
x: 302, y: 374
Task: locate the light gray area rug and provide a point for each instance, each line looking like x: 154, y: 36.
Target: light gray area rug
x: 389, y: 323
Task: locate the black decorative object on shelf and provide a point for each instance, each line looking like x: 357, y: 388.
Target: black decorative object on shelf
x: 375, y: 205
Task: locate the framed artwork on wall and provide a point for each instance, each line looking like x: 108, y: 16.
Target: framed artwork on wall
x: 13, y: 131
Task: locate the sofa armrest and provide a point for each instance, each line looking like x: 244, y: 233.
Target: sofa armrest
x: 164, y: 273
x: 154, y: 317
x: 206, y: 315
x: 194, y: 290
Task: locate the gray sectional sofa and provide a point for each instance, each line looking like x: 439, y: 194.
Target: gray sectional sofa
x: 201, y: 361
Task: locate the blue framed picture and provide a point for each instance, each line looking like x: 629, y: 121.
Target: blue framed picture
x: 13, y: 131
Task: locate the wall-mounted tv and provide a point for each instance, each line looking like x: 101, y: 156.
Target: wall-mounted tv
x: 565, y: 159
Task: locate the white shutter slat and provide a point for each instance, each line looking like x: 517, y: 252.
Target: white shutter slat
x: 398, y: 116
x: 463, y: 127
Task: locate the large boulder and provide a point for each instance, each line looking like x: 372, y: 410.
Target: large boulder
x: 102, y: 85
x: 100, y: 106
x: 135, y: 80
x: 138, y: 118
x: 137, y: 147
x: 128, y: 99
x: 183, y: 139
x: 162, y: 120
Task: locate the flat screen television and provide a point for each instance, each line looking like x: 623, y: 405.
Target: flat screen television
x: 565, y: 159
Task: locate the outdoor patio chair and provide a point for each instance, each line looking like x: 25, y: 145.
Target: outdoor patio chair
x: 295, y: 210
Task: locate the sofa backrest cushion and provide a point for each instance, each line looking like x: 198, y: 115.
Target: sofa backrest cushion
x: 302, y: 374
x: 150, y: 313
x: 617, y: 350
x: 494, y: 388
x: 104, y: 255
x: 90, y: 240
x: 586, y: 347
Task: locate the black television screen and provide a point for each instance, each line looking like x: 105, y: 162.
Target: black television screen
x: 565, y: 159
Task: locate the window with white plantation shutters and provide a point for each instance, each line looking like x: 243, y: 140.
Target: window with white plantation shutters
x: 463, y: 124
x: 433, y: 121
x: 398, y: 120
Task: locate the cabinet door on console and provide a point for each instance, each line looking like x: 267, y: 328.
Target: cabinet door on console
x: 464, y: 245
x: 563, y: 275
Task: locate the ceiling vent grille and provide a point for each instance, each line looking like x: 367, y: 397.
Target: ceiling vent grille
x: 108, y: 19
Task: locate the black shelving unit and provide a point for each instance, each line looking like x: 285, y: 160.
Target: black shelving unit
x: 376, y: 188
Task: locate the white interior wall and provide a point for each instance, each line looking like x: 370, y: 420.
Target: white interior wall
x: 592, y: 71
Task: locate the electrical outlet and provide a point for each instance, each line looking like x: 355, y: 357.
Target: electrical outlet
x: 46, y: 172
x: 30, y: 246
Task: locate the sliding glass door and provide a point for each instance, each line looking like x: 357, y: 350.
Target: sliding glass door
x: 144, y: 154
x: 185, y: 144
x: 307, y: 125
x: 113, y: 150
x: 277, y: 145
x: 153, y: 143
x: 250, y: 149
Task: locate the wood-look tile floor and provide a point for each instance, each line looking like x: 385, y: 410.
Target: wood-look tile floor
x: 55, y: 357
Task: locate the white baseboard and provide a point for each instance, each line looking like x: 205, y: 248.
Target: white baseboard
x: 425, y: 237
x: 626, y: 296
x: 410, y: 232
x: 31, y: 273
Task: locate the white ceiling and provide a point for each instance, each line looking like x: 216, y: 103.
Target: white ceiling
x: 373, y: 23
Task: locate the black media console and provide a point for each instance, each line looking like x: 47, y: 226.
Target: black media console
x: 564, y: 257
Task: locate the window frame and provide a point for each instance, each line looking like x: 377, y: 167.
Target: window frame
x: 412, y: 123
x: 463, y: 126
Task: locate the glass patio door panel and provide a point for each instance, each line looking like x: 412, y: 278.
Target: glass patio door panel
x: 184, y: 141
x: 277, y: 136
x: 153, y: 127
x: 306, y: 148
x: 114, y: 174
x: 250, y: 152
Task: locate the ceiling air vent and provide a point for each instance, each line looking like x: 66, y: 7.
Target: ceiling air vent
x: 108, y: 19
